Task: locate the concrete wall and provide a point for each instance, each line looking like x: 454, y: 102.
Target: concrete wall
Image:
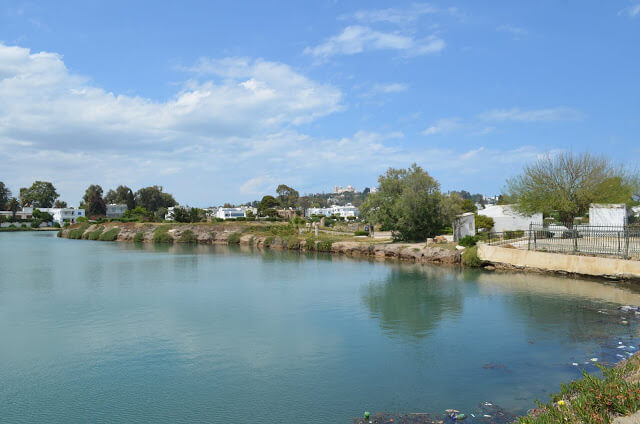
x: 607, y: 215
x: 585, y: 265
x: 505, y: 218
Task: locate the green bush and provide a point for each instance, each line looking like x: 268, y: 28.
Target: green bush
x: 447, y: 230
x: 110, y: 235
x: 241, y: 218
x: 76, y: 233
x: 324, y: 246
x: 188, y: 237
x: 292, y: 243
x: 470, y: 257
x: 56, y: 225
x: 94, y: 235
x: 138, y: 237
x: 218, y: 219
x: 81, y: 219
x: 59, y: 233
x: 268, y: 241
x: 234, y: 238
x: 484, y: 223
x: 161, y: 234
x: 361, y: 233
x: 468, y: 241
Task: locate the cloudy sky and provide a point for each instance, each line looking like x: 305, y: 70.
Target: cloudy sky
x: 222, y: 101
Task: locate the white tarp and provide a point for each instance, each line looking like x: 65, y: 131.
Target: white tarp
x: 608, y: 215
x: 505, y: 218
x: 464, y: 225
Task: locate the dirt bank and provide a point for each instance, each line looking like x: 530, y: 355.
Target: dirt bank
x: 266, y: 236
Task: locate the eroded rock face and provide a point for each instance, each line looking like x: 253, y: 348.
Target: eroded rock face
x: 219, y: 234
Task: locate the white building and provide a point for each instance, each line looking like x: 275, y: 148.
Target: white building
x: 231, y: 213
x: 608, y: 215
x: 60, y: 215
x: 116, y: 211
x: 506, y: 218
x: 347, y: 189
x: 341, y: 211
x: 464, y: 225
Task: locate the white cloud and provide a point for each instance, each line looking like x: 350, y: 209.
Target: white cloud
x: 631, y: 11
x: 443, y: 126
x: 393, y: 15
x: 535, y: 115
x: 513, y: 30
x: 358, y: 39
x: 381, y: 89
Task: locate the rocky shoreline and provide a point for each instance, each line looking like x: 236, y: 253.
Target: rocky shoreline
x: 238, y: 234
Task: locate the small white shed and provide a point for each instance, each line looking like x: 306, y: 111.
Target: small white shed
x: 506, y: 218
x: 613, y: 214
x: 464, y: 225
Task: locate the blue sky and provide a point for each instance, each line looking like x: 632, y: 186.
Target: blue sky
x: 222, y: 101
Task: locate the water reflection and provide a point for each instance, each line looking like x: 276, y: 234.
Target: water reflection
x: 412, y: 301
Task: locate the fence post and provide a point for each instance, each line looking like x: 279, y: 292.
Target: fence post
x: 626, y: 242
x: 529, y: 241
x: 574, y: 234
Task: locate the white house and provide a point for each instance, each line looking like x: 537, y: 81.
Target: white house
x: 231, y: 213
x: 608, y: 214
x: 60, y: 215
x: 345, y: 211
x: 116, y: 211
x: 318, y: 211
x: 506, y: 218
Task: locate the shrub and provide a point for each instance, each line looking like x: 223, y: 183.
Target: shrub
x: 447, y: 230
x: 484, y: 223
x: 470, y: 257
x: 59, y: 233
x: 56, y: 225
x: 324, y: 246
x: 361, y: 233
x: 292, y: 243
x: 234, y: 238
x: 268, y: 241
x: 161, y: 234
x: 76, y: 233
x: 110, y: 235
x: 218, y: 219
x: 94, y: 235
x: 81, y: 219
x: 241, y: 218
x: 468, y: 241
x: 188, y: 237
x: 12, y: 226
x: 138, y: 237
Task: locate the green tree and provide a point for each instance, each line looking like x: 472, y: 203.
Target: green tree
x: 41, y: 194
x: 267, y: 202
x: 93, y: 201
x: 5, y: 195
x: 568, y: 183
x: 454, y: 204
x: 13, y: 206
x: 60, y: 204
x: 287, y: 196
x: 152, y: 198
x: 139, y: 213
x: 408, y: 203
x: 181, y: 215
x: 484, y: 223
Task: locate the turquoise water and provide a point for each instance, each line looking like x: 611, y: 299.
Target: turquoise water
x: 116, y: 332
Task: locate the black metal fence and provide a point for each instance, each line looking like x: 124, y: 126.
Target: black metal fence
x: 618, y: 241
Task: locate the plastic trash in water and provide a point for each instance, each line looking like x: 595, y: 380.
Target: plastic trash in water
x: 594, y: 359
x: 367, y: 416
x: 575, y: 364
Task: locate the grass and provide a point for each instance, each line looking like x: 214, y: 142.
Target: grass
x: 188, y: 237
x: 234, y: 238
x: 268, y: 241
x: 76, y: 233
x: 470, y: 257
x: 94, y: 235
x: 593, y: 399
x: 161, y: 234
x: 110, y: 235
x: 138, y: 237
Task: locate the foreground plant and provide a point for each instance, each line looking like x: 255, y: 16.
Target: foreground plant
x: 593, y: 399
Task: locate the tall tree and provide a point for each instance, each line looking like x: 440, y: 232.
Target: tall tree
x: 568, y: 183
x: 408, y: 203
x: 5, y: 195
x: 60, y: 204
x: 14, y: 206
x: 93, y: 201
x: 288, y: 196
x: 152, y: 198
x: 119, y: 196
x: 267, y: 202
x: 41, y: 194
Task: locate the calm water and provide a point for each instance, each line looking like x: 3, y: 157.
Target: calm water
x: 114, y: 332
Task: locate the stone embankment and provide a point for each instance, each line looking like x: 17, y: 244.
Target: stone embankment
x: 230, y: 233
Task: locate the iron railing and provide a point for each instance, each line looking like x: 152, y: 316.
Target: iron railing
x: 618, y: 241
